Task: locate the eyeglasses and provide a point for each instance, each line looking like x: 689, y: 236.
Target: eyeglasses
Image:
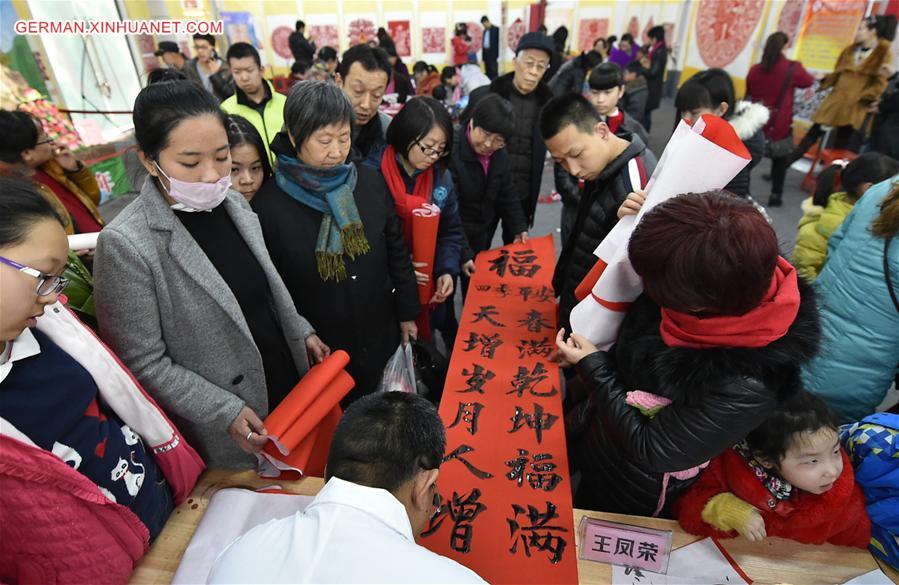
x: 540, y: 66
x: 431, y: 152
x: 47, y: 284
x: 45, y: 141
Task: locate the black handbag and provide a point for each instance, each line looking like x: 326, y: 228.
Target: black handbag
x: 431, y: 367
x: 783, y: 147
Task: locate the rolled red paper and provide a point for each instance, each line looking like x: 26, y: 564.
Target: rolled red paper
x: 425, y: 222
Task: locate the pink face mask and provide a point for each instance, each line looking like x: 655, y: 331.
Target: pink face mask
x: 198, y: 196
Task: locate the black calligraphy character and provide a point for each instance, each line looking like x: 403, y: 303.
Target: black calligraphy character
x: 624, y: 546
x: 468, y: 413
x: 637, y: 573
x: 647, y: 551
x: 539, y: 534
x: 524, y: 264
x: 546, y: 295
x: 500, y: 263
x: 529, y: 347
x: 535, y: 322
x: 541, y: 474
x: 488, y: 343
x: 476, y: 378
x: 604, y: 542
x: 525, y: 381
x: 486, y: 314
x: 457, y: 454
x: 539, y: 421
x: 525, y: 292
x: 437, y: 517
x: 503, y: 290
x: 463, y: 512
x: 482, y: 287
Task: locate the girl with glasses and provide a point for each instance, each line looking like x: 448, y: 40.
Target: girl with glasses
x: 78, y: 435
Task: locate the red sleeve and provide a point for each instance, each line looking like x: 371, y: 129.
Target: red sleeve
x: 688, y: 508
x: 801, y: 77
x: 855, y: 526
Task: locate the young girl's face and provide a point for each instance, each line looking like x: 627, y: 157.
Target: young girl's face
x: 814, y: 461
x: 246, y: 169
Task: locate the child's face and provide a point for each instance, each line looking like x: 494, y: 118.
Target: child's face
x: 629, y: 76
x: 813, y: 462
x: 582, y: 154
x: 606, y: 100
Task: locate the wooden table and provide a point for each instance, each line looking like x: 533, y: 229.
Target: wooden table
x: 774, y: 560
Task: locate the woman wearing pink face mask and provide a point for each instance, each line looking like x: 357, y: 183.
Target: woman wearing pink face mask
x: 186, y: 292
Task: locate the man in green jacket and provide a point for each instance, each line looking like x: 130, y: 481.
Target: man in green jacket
x: 255, y: 99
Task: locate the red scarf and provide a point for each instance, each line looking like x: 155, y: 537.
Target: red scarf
x: 766, y: 323
x: 615, y: 122
x: 406, y: 202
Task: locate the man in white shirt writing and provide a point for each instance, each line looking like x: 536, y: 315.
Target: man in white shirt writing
x: 361, y: 527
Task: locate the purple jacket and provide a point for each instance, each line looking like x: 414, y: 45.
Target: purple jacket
x: 621, y: 58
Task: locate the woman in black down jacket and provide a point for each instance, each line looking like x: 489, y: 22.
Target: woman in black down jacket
x: 716, y: 337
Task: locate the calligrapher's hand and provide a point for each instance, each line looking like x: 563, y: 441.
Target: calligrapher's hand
x: 248, y: 431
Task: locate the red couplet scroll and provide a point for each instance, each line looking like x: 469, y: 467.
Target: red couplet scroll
x: 506, y: 508
x: 425, y: 224
x: 301, y: 426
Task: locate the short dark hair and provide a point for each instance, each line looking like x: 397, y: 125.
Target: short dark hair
x: 439, y: 92
x: 447, y: 73
x: 883, y: 24
x: 208, y: 38
x: 241, y: 131
x: 19, y: 133
x: 21, y: 206
x: 384, y: 439
x: 163, y: 74
x: 691, y: 96
x: 327, y: 54
x: 420, y: 67
x: 708, y: 251
x: 299, y: 24
x: 657, y: 33
x: 371, y: 59
x: 627, y: 37
x: 605, y: 76
x: 415, y: 120
x: 803, y: 412
x: 242, y: 51
x: 563, y: 110
x: 720, y: 86
x: 494, y: 114
x: 299, y: 67
x: 590, y: 59
x: 158, y: 108
x: 314, y: 104
x: 870, y: 167
x: 484, y: 19
x: 634, y: 67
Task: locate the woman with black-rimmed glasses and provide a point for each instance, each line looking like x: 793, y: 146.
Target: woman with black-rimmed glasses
x: 78, y: 435
x: 415, y: 166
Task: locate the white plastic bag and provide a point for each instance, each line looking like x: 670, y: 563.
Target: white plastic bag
x: 399, y: 373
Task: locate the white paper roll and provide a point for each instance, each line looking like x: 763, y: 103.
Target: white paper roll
x: 83, y: 241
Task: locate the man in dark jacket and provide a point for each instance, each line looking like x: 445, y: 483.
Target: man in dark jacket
x: 303, y: 49
x: 570, y: 76
x: 490, y: 47
x: 582, y: 143
x: 363, y: 75
x: 655, y: 73
x: 526, y: 91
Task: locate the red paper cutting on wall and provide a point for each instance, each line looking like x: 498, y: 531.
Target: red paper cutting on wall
x: 505, y: 487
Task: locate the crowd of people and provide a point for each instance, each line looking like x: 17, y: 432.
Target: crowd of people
x: 272, y: 229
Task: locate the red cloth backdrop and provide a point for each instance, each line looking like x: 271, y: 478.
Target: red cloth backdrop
x: 504, y: 484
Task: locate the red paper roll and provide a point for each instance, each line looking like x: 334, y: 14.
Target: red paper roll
x: 425, y: 223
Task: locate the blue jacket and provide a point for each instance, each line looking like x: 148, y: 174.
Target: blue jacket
x: 859, y: 323
x: 450, y: 235
x: 873, y: 448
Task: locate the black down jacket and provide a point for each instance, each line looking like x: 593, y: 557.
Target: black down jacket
x: 596, y: 216
x: 718, y: 396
